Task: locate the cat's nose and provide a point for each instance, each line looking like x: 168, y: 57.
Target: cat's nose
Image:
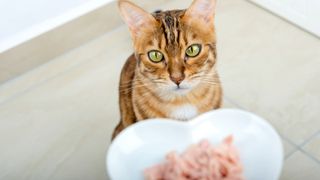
x: 177, y: 78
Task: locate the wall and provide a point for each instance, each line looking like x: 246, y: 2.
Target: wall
x: 304, y: 13
x: 23, y: 20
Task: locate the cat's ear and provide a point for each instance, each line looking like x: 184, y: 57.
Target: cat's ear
x: 135, y: 17
x: 202, y: 10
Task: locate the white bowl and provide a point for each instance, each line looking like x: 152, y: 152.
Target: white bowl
x: 146, y: 143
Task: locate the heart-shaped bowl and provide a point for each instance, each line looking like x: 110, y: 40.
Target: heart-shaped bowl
x: 146, y: 143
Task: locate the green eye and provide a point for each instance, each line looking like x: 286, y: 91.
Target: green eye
x: 193, y: 50
x: 155, y: 56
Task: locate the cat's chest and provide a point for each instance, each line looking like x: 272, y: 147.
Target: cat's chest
x: 183, y: 112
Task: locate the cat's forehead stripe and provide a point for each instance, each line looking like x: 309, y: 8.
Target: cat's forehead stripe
x: 170, y: 22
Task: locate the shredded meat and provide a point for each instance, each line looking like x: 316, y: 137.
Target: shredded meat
x: 200, y: 162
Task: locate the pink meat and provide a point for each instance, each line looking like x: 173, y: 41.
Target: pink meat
x: 200, y: 162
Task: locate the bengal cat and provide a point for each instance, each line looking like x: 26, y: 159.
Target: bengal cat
x: 172, y: 72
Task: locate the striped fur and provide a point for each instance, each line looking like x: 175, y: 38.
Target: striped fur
x: 146, y: 89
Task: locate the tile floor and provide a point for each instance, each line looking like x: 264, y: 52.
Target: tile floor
x: 56, y: 120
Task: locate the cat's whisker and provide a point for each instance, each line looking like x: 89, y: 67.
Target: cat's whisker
x: 215, y: 82
x: 143, y: 96
x: 210, y: 80
x: 203, y: 75
x: 135, y: 82
x: 209, y: 75
x: 211, y: 83
x: 130, y: 88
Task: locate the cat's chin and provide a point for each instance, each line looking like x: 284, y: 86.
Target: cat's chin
x: 181, y: 90
x: 172, y: 91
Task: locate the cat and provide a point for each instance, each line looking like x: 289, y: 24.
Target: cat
x: 172, y: 72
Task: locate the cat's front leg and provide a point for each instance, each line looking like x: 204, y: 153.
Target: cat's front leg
x: 117, y: 130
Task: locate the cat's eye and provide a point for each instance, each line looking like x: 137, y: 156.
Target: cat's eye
x: 193, y: 50
x: 155, y: 56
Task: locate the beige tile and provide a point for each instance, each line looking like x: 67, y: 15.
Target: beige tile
x: 270, y: 67
x: 228, y: 104
x: 4, y: 74
x: 62, y: 127
x: 299, y: 167
x: 57, y: 66
x: 313, y: 147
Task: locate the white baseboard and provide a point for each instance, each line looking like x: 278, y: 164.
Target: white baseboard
x: 304, y: 13
x: 36, y: 17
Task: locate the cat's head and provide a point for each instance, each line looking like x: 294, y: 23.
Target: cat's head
x: 175, y: 49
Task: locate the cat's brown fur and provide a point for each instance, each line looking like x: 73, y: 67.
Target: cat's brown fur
x: 153, y: 90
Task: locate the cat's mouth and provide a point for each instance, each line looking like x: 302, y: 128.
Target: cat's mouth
x: 178, y: 88
x: 181, y: 89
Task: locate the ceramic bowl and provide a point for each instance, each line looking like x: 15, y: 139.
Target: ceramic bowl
x: 146, y: 143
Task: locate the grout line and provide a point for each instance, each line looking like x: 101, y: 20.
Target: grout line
x: 289, y: 140
x: 300, y: 147
x: 290, y: 154
x: 317, y: 161
x: 296, y: 147
x: 309, y: 139
x: 233, y: 102
x: 310, y: 156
